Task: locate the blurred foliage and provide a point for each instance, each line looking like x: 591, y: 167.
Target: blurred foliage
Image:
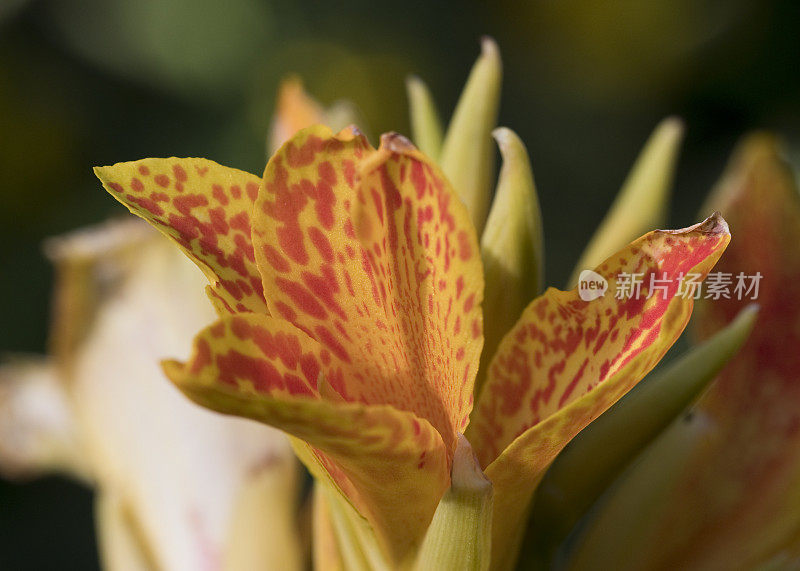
x: 86, y: 82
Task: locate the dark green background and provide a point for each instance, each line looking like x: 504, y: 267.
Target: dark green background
x: 86, y: 82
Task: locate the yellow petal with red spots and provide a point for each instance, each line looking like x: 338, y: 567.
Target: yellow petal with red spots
x: 392, y: 465
x: 567, y: 360
x: 205, y: 208
x: 372, y: 254
x: 740, y: 485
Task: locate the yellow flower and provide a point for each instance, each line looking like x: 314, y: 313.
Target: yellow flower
x: 349, y: 285
x: 177, y: 487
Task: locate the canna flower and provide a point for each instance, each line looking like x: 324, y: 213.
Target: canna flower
x: 177, y: 487
x: 349, y: 283
x: 719, y: 488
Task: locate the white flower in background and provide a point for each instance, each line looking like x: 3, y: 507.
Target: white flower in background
x: 178, y: 487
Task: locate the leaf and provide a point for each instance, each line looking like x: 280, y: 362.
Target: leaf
x: 467, y: 157
x: 643, y: 200
x: 591, y: 462
x: 568, y: 360
x: 204, y: 208
x: 512, y: 246
x: 625, y: 519
x: 426, y: 127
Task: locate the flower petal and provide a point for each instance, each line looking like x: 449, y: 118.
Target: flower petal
x: 205, y: 208
x: 568, y: 360
x: 142, y: 439
x: 372, y: 255
x: 326, y: 554
x: 597, y: 456
x: 118, y: 544
x: 263, y: 530
x: 390, y: 464
x: 740, y: 485
x: 38, y: 430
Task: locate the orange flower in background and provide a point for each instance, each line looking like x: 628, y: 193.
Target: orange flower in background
x: 349, y: 284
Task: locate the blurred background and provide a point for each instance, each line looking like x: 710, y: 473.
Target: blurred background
x: 90, y: 82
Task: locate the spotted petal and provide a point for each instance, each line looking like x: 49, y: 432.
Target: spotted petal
x: 568, y: 360
x: 389, y: 463
x: 735, y: 503
x: 205, y: 208
x: 371, y: 254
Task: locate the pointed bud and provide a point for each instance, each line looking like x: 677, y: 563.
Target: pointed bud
x: 426, y: 127
x: 511, y: 245
x: 642, y: 203
x: 467, y: 156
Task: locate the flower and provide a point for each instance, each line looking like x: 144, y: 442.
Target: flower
x: 349, y: 281
x: 177, y: 487
x: 727, y: 471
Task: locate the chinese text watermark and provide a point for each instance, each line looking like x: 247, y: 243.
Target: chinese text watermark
x: 717, y: 285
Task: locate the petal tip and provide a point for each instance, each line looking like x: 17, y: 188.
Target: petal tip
x: 674, y: 125
x: 466, y: 472
x: 413, y: 81
x: 489, y: 47
x: 713, y: 225
x: 502, y: 135
x: 396, y: 143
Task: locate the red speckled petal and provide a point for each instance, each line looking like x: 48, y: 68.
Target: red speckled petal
x: 568, y: 360
x: 741, y: 483
x: 371, y: 253
x: 390, y: 464
x: 205, y: 208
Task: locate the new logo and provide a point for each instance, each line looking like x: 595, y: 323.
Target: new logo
x: 591, y: 285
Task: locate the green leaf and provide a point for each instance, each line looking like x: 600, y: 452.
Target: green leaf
x: 592, y: 461
x: 624, y: 516
x: 642, y: 202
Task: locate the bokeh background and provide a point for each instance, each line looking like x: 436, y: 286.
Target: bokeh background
x: 87, y: 82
